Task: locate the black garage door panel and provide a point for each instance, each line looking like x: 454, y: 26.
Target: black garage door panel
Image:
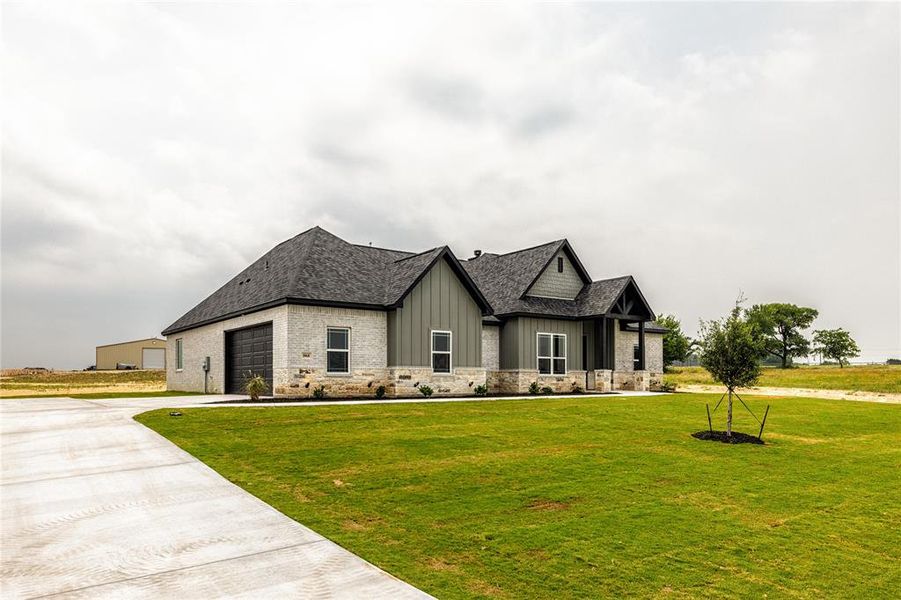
x: 248, y: 351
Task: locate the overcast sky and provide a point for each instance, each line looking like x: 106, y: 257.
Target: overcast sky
x: 150, y: 151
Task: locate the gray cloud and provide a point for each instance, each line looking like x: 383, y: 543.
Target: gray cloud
x: 545, y: 120
x: 151, y: 151
x: 453, y: 97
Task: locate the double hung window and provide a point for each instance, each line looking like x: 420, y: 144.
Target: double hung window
x: 441, y: 352
x: 337, y: 351
x: 552, y: 353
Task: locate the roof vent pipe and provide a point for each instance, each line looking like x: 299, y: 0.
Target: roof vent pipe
x: 477, y: 253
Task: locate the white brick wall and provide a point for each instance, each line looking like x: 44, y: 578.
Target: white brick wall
x: 625, y: 342
x: 209, y: 340
x: 491, y: 347
x: 307, y: 327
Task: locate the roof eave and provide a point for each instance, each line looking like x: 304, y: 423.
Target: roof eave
x: 272, y: 304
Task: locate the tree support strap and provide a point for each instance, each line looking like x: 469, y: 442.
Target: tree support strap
x: 746, y: 406
x: 760, y: 433
x: 718, y: 403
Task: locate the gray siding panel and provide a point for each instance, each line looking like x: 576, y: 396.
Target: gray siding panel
x: 438, y: 301
x: 509, y: 345
x: 588, y: 330
x: 519, y: 339
x: 553, y: 284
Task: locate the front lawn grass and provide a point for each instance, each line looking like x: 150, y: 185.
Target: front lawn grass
x: 580, y: 497
x: 863, y: 378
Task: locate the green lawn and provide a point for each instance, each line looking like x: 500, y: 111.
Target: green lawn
x: 864, y: 378
x: 581, y: 497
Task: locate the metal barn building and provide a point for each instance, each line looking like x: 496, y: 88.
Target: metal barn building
x: 143, y: 354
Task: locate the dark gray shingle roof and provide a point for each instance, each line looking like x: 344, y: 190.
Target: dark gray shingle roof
x: 318, y: 267
x: 314, y: 266
x: 505, y: 278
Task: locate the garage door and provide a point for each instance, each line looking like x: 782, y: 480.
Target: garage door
x: 153, y: 358
x: 248, y: 351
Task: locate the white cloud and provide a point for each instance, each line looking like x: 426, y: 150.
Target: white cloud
x: 150, y: 151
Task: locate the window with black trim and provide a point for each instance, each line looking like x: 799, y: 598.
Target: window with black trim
x: 559, y: 264
x: 636, y: 358
x: 552, y: 353
x: 441, y: 352
x: 337, y: 351
x: 179, y: 354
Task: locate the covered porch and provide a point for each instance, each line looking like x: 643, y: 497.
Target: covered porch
x: 615, y: 355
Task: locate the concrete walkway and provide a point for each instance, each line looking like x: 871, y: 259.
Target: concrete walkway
x: 95, y: 505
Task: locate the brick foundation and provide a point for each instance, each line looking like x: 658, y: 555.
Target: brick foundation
x: 517, y: 381
x: 399, y: 382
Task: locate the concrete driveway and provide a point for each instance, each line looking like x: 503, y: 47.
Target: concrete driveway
x: 96, y: 505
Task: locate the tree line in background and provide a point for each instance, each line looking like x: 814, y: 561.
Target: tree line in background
x: 775, y: 331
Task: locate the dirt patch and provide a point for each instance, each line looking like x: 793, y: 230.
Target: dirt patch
x: 545, y: 504
x: 351, y: 525
x: 438, y: 564
x: 883, y: 398
x: 720, y: 436
x: 483, y: 588
x: 797, y: 438
x: 19, y: 382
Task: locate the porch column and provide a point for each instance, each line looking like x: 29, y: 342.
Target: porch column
x: 605, y: 350
x: 641, y: 361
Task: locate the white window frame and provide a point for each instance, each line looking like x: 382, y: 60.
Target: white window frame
x: 179, y: 354
x: 551, y: 356
x: 328, y: 329
x: 449, y: 352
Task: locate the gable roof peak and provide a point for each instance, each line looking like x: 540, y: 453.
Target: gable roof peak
x: 556, y: 243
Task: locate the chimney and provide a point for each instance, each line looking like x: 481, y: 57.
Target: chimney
x: 477, y: 253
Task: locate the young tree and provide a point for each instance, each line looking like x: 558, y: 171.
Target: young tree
x: 730, y: 349
x: 676, y: 345
x: 835, y: 343
x: 780, y: 327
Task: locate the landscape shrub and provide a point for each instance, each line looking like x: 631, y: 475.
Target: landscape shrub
x: 426, y: 390
x: 380, y: 392
x: 255, y: 386
x: 534, y: 388
x: 481, y: 390
x: 319, y: 392
x: 576, y: 388
x: 547, y: 390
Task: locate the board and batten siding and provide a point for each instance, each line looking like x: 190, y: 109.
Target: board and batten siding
x: 438, y: 301
x: 519, y: 342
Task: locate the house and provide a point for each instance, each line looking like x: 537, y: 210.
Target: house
x: 319, y: 311
x: 148, y: 353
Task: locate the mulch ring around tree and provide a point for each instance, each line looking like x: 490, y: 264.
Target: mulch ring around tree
x: 720, y: 436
